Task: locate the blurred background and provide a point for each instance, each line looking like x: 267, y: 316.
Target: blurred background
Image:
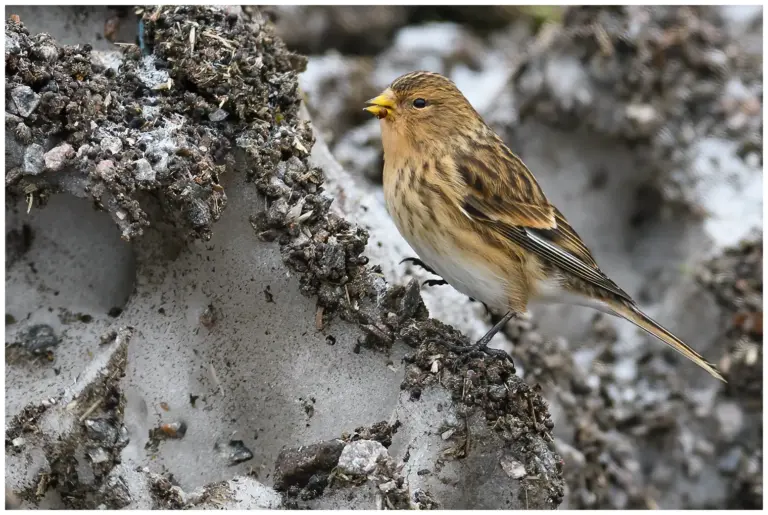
x: 644, y: 125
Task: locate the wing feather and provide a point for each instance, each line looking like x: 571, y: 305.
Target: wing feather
x: 501, y: 193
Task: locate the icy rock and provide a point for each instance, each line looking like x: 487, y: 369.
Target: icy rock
x: 144, y: 171
x: 26, y: 100
x: 359, y: 458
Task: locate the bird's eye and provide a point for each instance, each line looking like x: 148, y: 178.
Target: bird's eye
x: 419, y: 103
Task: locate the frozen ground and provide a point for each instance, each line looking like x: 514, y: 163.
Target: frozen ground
x: 212, y: 335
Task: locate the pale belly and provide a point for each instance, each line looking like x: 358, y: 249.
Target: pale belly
x: 466, y: 273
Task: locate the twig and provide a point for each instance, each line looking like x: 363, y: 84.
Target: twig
x: 91, y: 409
x: 533, y: 415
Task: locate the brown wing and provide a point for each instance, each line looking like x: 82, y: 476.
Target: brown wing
x: 565, y: 236
x: 503, y: 194
x: 501, y: 186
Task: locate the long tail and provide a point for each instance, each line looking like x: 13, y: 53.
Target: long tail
x: 643, y: 321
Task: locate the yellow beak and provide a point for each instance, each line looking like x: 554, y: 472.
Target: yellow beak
x: 381, y: 105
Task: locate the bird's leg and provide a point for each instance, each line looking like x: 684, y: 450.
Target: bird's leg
x: 420, y: 263
x: 482, y: 343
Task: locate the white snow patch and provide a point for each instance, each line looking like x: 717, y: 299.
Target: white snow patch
x: 729, y: 189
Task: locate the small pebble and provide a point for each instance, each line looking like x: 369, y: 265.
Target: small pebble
x: 388, y: 486
x: 144, y: 171
x: 98, y: 455
x: 219, y: 115
x: 39, y: 338
x: 112, y: 144
x: 101, y: 430
x: 513, y: 468
x: 56, y: 157
x: 26, y: 100
x: 234, y: 452
x: 34, y: 159
x: 359, y: 458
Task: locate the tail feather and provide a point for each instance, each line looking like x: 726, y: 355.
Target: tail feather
x: 643, y: 321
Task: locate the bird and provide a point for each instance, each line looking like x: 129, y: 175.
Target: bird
x: 476, y: 216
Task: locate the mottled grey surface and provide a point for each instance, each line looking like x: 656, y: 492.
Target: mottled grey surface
x: 175, y: 369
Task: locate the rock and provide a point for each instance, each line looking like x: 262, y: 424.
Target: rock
x: 48, y: 52
x: 34, y: 159
x: 111, y: 144
x: 295, y: 466
x: 12, y: 45
x: 101, y: 430
x: 359, y: 458
x: 513, y: 468
x: 98, y: 455
x: 39, y: 338
x: 234, y: 452
x: 106, y: 170
x: 14, y: 149
x: 25, y: 99
x: 57, y: 156
x: 115, y: 492
x: 144, y: 171
x: 219, y: 115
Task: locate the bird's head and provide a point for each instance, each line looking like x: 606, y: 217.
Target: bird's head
x: 422, y: 105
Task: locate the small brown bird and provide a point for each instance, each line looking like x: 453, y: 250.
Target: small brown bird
x: 476, y: 216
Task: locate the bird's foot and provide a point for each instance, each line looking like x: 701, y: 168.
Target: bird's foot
x: 481, y: 346
x: 418, y: 262
x: 476, y: 350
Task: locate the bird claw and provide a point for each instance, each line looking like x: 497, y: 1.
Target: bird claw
x: 418, y: 262
x: 476, y: 350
